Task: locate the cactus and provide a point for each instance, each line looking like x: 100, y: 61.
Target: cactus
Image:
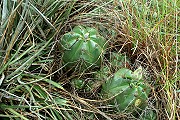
x: 148, y: 114
x: 83, y: 45
x: 81, y: 84
x: 102, y: 74
x: 78, y: 83
x: 118, y: 60
x: 127, y: 89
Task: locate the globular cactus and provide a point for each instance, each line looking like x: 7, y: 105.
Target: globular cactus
x: 78, y: 83
x: 83, y: 45
x: 102, y: 74
x: 81, y: 84
x: 128, y: 91
x: 119, y: 60
x: 148, y: 114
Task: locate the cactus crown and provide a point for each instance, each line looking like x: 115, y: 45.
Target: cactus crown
x: 128, y: 90
x: 83, y: 44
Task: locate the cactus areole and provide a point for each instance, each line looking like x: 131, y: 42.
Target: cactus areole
x: 83, y: 45
x: 128, y: 91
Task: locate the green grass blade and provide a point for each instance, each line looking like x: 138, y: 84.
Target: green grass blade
x: 42, y: 15
x: 30, y: 59
x: 17, y: 114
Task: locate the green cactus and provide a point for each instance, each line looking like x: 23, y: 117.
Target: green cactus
x: 83, y: 45
x: 128, y: 91
x: 102, y: 74
x: 78, y: 83
x: 118, y: 60
x: 148, y: 115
